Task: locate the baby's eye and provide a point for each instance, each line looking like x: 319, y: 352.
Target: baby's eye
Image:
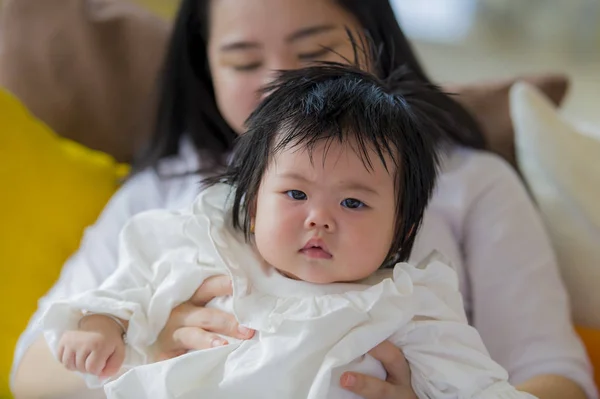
x: 352, y: 203
x: 296, y: 195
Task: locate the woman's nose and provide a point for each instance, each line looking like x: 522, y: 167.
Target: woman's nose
x: 284, y: 62
x: 274, y: 67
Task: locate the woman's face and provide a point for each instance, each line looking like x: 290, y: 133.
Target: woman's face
x: 250, y: 39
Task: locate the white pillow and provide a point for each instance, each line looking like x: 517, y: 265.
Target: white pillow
x: 561, y: 165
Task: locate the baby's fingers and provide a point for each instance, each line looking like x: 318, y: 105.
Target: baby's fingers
x: 68, y: 358
x: 80, y: 357
x: 114, y: 362
x: 95, y: 362
x: 60, y: 352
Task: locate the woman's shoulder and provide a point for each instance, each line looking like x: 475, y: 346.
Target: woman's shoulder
x: 472, y: 180
x: 172, y: 184
x: 475, y: 166
x: 468, y: 173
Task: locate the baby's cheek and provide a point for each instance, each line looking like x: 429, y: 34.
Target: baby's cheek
x: 273, y: 238
x: 370, y: 250
x: 275, y: 251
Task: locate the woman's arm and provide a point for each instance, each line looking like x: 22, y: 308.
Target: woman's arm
x: 519, y: 303
x: 398, y: 386
x: 40, y: 375
x: 552, y: 387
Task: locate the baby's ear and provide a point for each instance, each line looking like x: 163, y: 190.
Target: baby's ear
x: 252, y: 215
x: 411, y: 232
x: 252, y: 209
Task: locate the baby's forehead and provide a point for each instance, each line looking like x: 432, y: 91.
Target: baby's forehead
x: 331, y: 152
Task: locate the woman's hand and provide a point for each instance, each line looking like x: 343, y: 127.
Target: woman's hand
x: 192, y: 326
x: 397, y: 384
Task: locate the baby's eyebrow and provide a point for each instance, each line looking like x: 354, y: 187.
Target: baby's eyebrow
x: 357, y: 186
x: 293, y: 176
x: 347, y: 185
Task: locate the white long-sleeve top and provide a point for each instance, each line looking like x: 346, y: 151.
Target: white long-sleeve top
x: 306, y: 334
x: 480, y: 218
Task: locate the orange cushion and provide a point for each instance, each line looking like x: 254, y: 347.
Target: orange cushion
x: 591, y: 340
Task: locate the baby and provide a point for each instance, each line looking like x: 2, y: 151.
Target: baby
x: 313, y: 221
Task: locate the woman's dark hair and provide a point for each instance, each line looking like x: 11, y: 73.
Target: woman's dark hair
x: 187, y: 101
x: 335, y: 103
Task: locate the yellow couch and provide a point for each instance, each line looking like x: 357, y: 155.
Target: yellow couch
x: 53, y: 189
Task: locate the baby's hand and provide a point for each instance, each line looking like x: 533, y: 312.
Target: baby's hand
x: 96, y: 348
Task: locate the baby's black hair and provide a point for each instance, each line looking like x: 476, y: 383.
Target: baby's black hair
x: 398, y: 117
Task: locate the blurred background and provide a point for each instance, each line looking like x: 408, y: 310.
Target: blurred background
x: 464, y: 41
x: 474, y: 40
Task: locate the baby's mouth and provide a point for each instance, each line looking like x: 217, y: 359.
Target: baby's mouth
x: 316, y: 249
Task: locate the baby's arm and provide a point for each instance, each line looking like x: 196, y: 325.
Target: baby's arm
x: 160, y: 266
x: 447, y: 356
x: 97, y: 347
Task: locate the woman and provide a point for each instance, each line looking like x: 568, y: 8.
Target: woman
x: 221, y: 53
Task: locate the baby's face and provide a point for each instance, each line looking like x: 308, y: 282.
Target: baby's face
x: 329, y: 220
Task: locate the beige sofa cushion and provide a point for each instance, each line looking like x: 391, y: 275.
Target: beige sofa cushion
x: 488, y: 102
x: 85, y: 67
x: 561, y: 165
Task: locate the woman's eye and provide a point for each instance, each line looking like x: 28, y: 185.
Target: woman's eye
x: 296, y: 195
x: 247, y: 67
x: 352, y: 203
x: 315, y: 54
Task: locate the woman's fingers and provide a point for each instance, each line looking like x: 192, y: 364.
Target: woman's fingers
x: 193, y: 338
x: 213, y: 320
x: 371, y: 387
x: 193, y: 326
x: 201, y: 328
x: 398, y: 383
x: 394, y: 362
x: 212, y: 287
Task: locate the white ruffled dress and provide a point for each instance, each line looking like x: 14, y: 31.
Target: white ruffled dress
x: 307, y: 334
